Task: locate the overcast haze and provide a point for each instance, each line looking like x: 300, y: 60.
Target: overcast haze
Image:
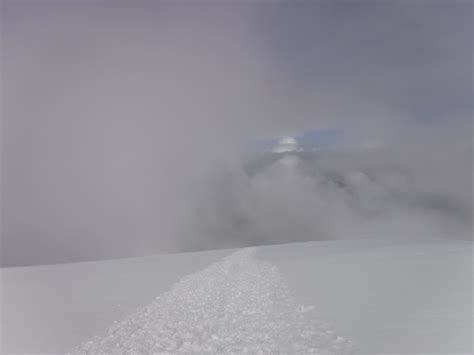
x: 125, y: 124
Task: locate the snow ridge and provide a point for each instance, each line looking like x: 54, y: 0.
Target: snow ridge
x: 237, y: 305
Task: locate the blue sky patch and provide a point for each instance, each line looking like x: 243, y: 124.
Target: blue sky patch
x: 319, y: 138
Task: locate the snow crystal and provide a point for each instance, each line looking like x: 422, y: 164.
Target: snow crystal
x: 237, y: 305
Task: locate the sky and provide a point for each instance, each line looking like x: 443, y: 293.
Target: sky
x: 117, y: 116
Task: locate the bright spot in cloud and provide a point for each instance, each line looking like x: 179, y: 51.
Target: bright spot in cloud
x: 286, y: 144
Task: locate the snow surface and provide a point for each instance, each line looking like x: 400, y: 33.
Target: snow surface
x: 238, y: 305
x: 402, y: 296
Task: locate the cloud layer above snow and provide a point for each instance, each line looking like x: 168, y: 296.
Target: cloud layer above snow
x: 120, y: 119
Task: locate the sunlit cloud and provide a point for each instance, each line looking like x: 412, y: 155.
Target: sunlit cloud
x: 285, y: 145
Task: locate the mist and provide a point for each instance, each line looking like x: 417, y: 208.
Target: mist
x: 126, y: 126
x: 337, y: 194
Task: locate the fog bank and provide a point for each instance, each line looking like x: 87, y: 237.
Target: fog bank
x: 124, y: 124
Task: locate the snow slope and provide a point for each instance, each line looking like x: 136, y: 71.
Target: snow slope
x: 400, y: 296
x: 238, y: 305
x: 387, y: 296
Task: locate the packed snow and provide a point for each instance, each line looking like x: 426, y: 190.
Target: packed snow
x: 401, y: 295
x: 238, y: 305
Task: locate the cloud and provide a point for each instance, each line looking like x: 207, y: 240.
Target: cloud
x: 327, y: 195
x: 286, y: 144
x: 118, y: 115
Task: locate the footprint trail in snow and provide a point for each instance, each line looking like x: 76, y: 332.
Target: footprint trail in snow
x: 237, y: 305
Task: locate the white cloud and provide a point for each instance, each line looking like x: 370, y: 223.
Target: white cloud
x: 286, y: 144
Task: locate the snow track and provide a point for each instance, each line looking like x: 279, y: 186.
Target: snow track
x: 237, y: 305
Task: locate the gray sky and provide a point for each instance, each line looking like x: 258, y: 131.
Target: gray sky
x: 114, y: 113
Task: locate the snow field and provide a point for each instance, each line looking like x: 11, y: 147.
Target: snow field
x: 237, y: 305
